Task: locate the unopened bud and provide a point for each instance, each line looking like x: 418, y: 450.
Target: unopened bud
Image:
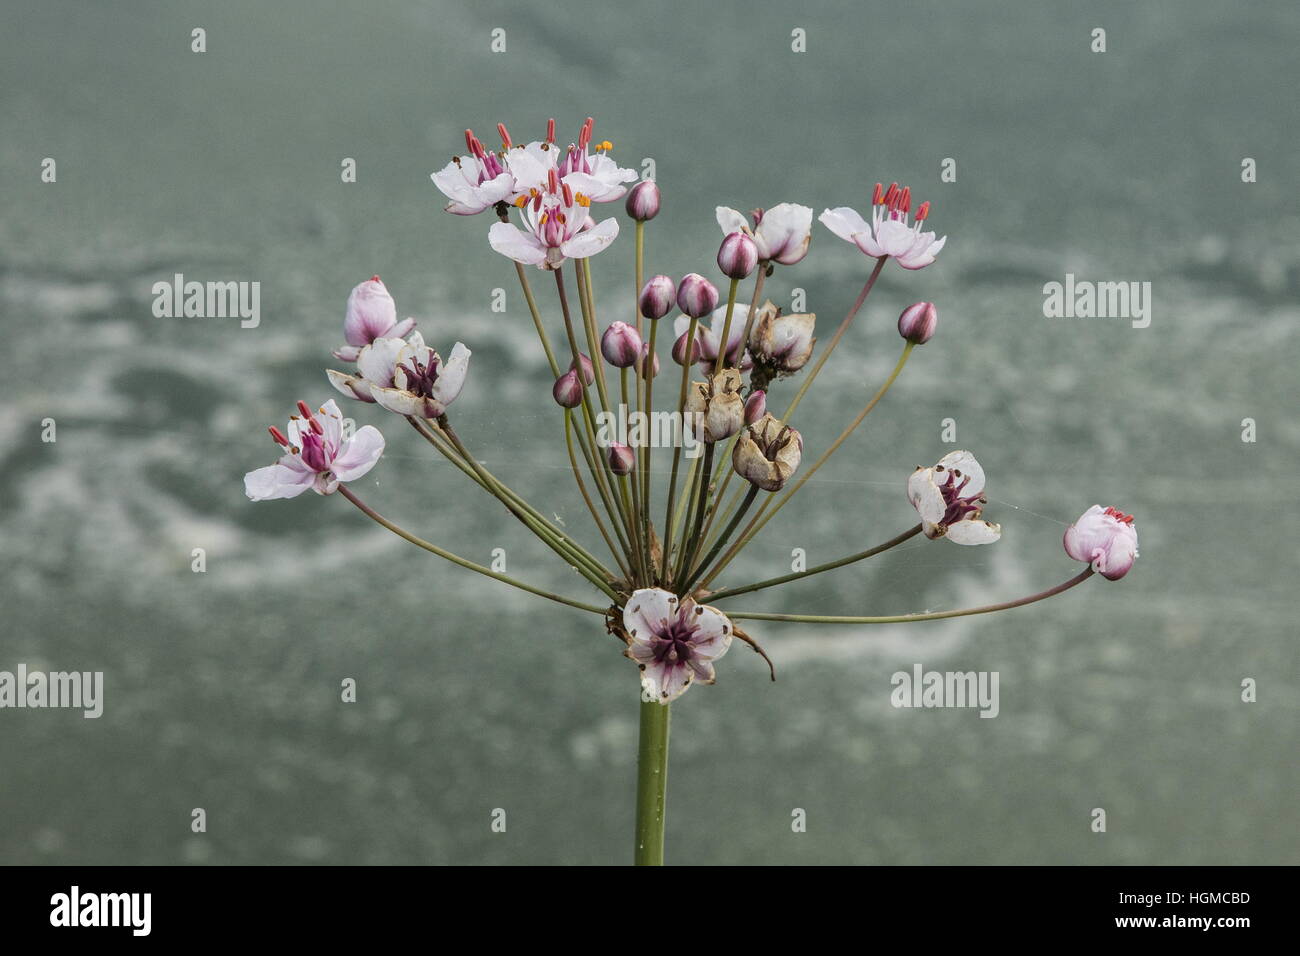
x: 621, y: 459
x: 653, y: 370
x: 588, y: 373
x: 643, y: 201
x: 657, y: 297
x: 696, y: 295
x: 755, y: 406
x: 737, y: 256
x: 680, y: 348
x: 918, y: 322
x: 567, y: 390
x: 620, y: 345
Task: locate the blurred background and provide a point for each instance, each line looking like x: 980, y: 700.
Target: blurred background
x: 223, y: 687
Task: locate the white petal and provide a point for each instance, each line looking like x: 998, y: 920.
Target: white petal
x: 451, y: 375
x: 925, y: 496
x: 974, y: 531
x: 359, y: 454
x: 509, y: 240
x: 399, y: 400
x: 587, y: 244
x: 376, y: 362
x: 731, y: 221
x: 277, y: 481
x: 844, y: 222
x: 965, y: 463
x: 713, y: 629
x: 353, y: 386
x: 648, y: 612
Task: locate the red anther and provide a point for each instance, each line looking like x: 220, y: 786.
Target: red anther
x: 877, y: 194
x: 890, y: 193
x: 505, y: 137
x: 550, y: 130
x: 906, y: 201
x: 537, y: 202
x: 469, y: 140
x: 552, y: 181
x: 923, y: 211
x: 374, y: 278
x: 278, y: 436
x: 584, y: 137
x: 568, y: 195
x: 304, y: 410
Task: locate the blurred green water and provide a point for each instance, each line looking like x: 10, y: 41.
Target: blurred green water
x: 223, y: 688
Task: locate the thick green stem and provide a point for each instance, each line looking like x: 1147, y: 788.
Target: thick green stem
x: 651, y: 783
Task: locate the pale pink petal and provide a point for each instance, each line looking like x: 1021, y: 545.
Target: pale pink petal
x: 974, y: 531
x: 277, y: 481
x: 925, y: 495
x: 731, y: 220
x: 358, y: 454
x: 353, y: 386
x: 451, y: 375
x: 587, y: 244
x: 509, y: 240
x: 965, y: 463
x: 844, y: 222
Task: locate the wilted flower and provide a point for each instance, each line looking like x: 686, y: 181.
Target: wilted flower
x: 755, y: 406
x: 918, y: 322
x: 1107, y: 540
x: 643, y: 201
x: 371, y: 315
x: 696, y: 295
x: 781, y: 344
x: 737, y: 256
x: 422, y: 384
x: 620, y: 345
x: 888, y: 233
x: 474, y: 182
x: 781, y: 234
x: 621, y: 459
x: 317, y: 456
x: 948, y: 497
x: 717, y: 404
x: 673, y: 642
x: 557, y: 226
x: 567, y: 390
x: 657, y: 297
x: 767, y: 453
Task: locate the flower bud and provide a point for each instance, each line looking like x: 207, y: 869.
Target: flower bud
x: 653, y: 370
x: 588, y: 373
x: 767, y: 453
x: 737, y: 256
x: 680, y: 348
x: 643, y: 201
x: 621, y: 459
x: 755, y: 406
x: 656, y: 298
x: 696, y: 295
x: 567, y: 390
x: 1106, y: 540
x: 716, y: 406
x: 620, y: 345
x: 918, y: 322
x: 782, y: 344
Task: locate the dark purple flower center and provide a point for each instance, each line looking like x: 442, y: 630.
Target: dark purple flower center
x: 420, y: 376
x: 959, y: 506
x: 674, y: 643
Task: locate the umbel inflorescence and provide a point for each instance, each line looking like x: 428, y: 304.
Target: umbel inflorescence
x: 670, y: 515
x: 671, y: 519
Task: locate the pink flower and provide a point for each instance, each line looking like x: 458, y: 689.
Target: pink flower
x: 557, y: 226
x: 673, y: 642
x: 949, y: 498
x: 422, y: 383
x: 371, y: 315
x: 889, y: 233
x: 595, y: 175
x: 317, y: 456
x: 474, y: 182
x: 1105, y: 539
x: 781, y: 233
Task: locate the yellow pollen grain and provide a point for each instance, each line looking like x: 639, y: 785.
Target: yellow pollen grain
x: 582, y: 200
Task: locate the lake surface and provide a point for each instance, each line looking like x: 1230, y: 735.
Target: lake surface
x: 223, y: 687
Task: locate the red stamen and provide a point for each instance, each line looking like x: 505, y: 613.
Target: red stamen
x: 923, y: 211
x: 877, y: 194
x: 278, y: 436
x: 584, y: 137
x: 890, y: 193
x: 550, y: 130
x: 568, y: 196
x: 906, y: 201
x: 469, y: 140
x: 303, y: 410
x: 505, y: 137
x: 552, y: 181
x: 374, y: 278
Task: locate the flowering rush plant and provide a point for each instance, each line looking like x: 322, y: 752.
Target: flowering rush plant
x: 672, y: 516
